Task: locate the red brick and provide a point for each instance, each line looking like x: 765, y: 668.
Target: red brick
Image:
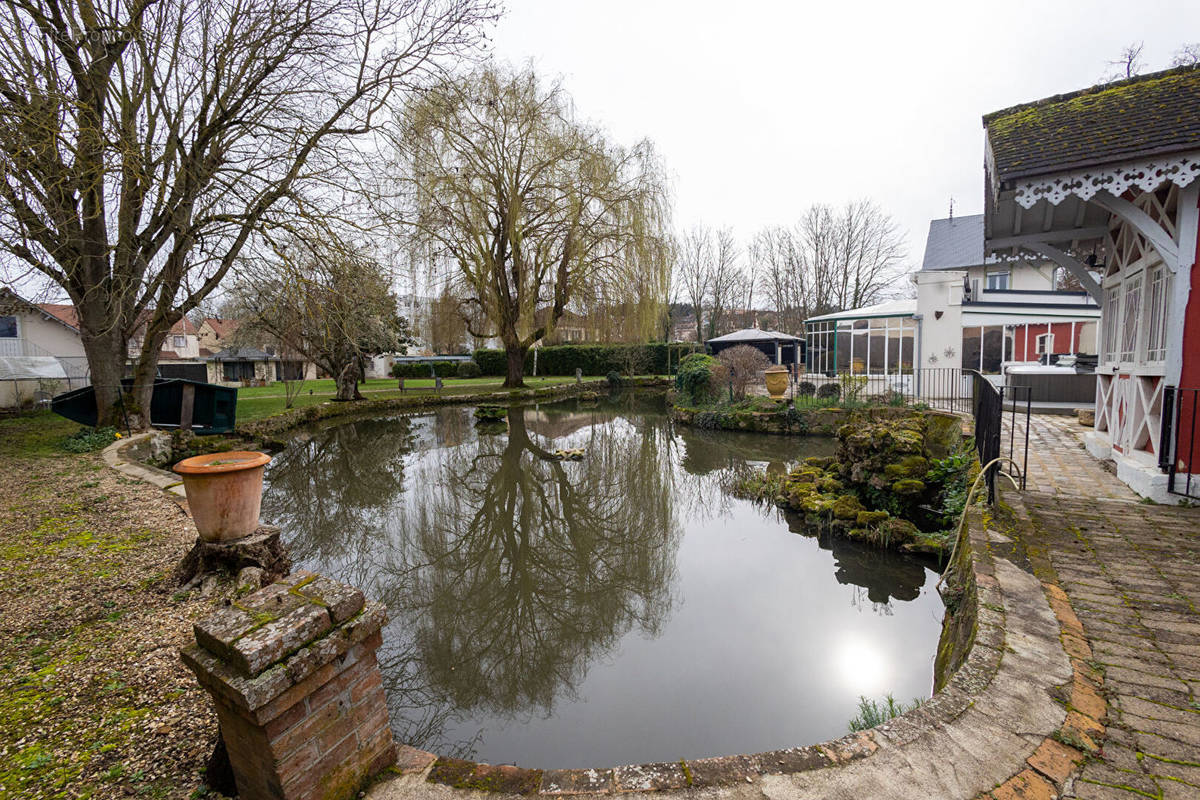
x: 1055, y: 760
x: 1025, y: 785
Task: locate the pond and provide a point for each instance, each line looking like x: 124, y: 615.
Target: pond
x: 618, y: 609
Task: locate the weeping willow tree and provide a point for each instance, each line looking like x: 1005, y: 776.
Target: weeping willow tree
x: 531, y: 210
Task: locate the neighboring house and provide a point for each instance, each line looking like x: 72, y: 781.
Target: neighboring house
x: 243, y: 366
x: 1107, y: 180
x: 972, y: 311
x: 41, y: 353
x: 216, y: 334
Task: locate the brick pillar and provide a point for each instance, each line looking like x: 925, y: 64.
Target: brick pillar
x: 292, y: 672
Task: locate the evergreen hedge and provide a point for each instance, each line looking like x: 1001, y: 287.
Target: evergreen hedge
x: 420, y: 369
x: 592, y: 359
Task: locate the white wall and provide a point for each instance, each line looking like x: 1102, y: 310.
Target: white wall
x: 940, y: 290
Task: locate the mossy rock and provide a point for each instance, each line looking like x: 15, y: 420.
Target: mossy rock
x: 805, y: 475
x: 816, y: 503
x: 908, y: 467
x: 896, y: 531
x: 871, y: 517
x: 830, y: 485
x: 908, y: 487
x: 491, y: 413
x: 907, y: 441
x: 820, y: 462
x: 846, y: 506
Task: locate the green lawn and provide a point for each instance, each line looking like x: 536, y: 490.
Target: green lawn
x: 265, y: 401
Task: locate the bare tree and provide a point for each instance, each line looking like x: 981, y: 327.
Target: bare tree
x: 327, y: 300
x: 1127, y: 65
x: 725, y: 285
x: 530, y: 205
x: 144, y: 146
x: 693, y: 272
x: 1187, y: 55
x: 832, y: 259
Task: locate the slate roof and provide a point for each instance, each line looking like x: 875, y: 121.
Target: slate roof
x: 954, y: 243
x: 1135, y: 118
x: 242, y: 354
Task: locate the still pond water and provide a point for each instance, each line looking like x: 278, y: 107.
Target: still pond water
x: 619, y: 609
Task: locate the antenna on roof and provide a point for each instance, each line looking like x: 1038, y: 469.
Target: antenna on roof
x: 952, y: 208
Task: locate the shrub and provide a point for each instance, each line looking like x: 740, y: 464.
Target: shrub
x: 829, y: 391
x: 806, y: 388
x: 614, y: 379
x: 592, y: 359
x: 695, y: 377
x: 468, y: 369
x: 88, y: 440
x: 420, y: 369
x: 852, y: 386
x: 744, y: 364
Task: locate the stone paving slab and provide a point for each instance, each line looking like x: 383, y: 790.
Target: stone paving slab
x: 1127, y: 569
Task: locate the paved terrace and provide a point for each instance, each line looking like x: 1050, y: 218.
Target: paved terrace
x: 1087, y: 599
x: 1132, y: 574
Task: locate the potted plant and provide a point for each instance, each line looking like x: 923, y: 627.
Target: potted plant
x: 224, y: 492
x: 777, y: 381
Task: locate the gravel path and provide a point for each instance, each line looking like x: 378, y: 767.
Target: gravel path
x: 94, y: 701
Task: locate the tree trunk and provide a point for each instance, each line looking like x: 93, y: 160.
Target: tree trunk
x: 138, y: 402
x: 347, y: 382
x: 106, y: 363
x: 516, y: 366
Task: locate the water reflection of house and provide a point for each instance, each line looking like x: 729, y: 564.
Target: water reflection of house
x: 559, y: 424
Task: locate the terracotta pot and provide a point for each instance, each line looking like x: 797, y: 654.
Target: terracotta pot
x: 224, y: 492
x: 777, y: 381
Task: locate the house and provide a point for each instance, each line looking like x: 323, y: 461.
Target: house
x: 1105, y: 183
x: 216, y: 333
x: 972, y: 311
x: 41, y: 352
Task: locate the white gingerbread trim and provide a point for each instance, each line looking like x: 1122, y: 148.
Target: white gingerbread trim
x: 1180, y: 170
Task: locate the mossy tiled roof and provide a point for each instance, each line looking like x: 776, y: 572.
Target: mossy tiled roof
x: 1135, y: 118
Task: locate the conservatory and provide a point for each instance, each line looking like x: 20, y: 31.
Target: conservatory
x: 873, y: 340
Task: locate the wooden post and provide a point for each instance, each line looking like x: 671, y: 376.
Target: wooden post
x: 186, y: 407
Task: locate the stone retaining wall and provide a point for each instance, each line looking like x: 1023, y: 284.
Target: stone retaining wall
x: 794, y: 422
x: 269, y: 429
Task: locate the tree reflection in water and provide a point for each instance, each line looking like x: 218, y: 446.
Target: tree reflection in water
x: 508, y: 574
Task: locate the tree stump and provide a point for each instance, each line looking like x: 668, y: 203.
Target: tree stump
x: 262, y: 549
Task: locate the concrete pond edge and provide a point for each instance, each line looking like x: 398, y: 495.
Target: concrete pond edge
x: 1016, y: 718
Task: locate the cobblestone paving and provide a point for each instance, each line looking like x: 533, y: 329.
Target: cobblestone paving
x: 1058, y: 464
x: 1132, y: 574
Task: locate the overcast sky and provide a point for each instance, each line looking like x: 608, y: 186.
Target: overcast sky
x: 761, y: 109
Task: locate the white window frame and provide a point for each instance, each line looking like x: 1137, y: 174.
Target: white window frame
x: 1043, y: 344
x: 1004, y: 273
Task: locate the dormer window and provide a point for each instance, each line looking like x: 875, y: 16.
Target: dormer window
x: 997, y: 281
x: 178, y: 342
x: 8, y: 326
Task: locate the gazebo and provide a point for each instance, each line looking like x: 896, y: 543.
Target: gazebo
x: 781, y: 348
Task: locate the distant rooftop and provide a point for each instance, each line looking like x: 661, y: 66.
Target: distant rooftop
x: 1145, y: 116
x: 753, y: 335
x: 954, y: 243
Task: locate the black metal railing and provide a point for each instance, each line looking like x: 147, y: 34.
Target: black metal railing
x: 988, y: 406
x: 1178, y: 446
x: 945, y: 388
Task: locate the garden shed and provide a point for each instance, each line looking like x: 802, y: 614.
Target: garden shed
x: 780, y: 348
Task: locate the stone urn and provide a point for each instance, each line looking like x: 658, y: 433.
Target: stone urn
x: 224, y: 492
x: 777, y: 381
